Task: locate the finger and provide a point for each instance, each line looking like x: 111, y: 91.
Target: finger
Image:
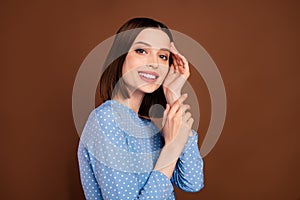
x: 182, y: 98
x: 165, y: 114
x: 173, y: 45
x: 167, y: 109
x: 176, y: 57
x: 177, y: 54
x: 174, y: 108
x: 183, y: 65
x: 190, y: 122
x: 180, y: 59
x: 171, y: 69
x: 184, y: 61
x: 175, y: 61
x: 186, y: 116
x: 174, y: 48
x: 180, y: 62
x: 184, y: 108
x: 182, y: 111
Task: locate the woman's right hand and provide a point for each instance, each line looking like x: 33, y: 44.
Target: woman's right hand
x: 177, y: 120
x: 178, y: 74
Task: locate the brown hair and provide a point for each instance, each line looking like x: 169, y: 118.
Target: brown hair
x: 116, y: 57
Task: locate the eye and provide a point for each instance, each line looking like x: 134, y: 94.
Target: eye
x: 140, y: 51
x: 163, y: 57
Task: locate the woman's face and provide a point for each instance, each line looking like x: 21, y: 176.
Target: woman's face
x: 147, y: 62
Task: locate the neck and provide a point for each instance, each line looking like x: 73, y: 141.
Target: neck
x: 133, y: 102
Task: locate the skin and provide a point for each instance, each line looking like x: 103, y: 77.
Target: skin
x: 150, y: 53
x: 151, y: 47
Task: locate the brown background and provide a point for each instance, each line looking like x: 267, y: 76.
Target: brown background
x: 254, y: 44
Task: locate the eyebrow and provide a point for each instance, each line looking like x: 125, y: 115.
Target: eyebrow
x: 149, y: 45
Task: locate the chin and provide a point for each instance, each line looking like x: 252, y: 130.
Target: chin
x: 149, y: 88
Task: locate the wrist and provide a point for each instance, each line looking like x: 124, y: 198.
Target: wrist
x: 171, y: 97
x: 168, y: 171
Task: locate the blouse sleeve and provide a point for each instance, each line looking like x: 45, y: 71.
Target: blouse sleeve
x: 101, y: 182
x: 188, y: 173
x: 88, y: 180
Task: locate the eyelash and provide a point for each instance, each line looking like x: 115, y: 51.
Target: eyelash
x: 139, y: 51
x: 164, y: 57
x: 142, y: 51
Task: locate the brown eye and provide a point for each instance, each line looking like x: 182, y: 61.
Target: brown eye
x: 163, y: 57
x: 140, y: 51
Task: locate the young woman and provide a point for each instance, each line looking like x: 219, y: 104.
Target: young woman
x: 123, y: 153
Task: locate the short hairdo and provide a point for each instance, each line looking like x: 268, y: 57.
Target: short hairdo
x: 114, y: 63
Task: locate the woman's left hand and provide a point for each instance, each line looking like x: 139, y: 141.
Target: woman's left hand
x: 177, y: 76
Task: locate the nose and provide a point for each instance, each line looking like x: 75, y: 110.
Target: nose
x: 152, y: 61
x: 153, y: 66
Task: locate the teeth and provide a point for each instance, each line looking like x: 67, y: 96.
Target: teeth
x: 149, y: 76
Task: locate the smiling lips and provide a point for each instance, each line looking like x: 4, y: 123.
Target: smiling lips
x: 148, y: 76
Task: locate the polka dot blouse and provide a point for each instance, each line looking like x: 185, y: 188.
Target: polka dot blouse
x: 112, y: 136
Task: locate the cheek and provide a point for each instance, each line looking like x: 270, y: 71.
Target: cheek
x: 165, y: 71
x: 130, y: 63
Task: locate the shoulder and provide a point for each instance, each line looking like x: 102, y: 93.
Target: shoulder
x: 104, y: 115
x: 99, y: 118
x: 101, y: 113
x: 100, y: 125
x: 104, y: 107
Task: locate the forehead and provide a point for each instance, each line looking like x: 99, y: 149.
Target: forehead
x: 155, y: 37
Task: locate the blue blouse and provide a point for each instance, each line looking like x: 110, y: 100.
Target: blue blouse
x: 105, y: 175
